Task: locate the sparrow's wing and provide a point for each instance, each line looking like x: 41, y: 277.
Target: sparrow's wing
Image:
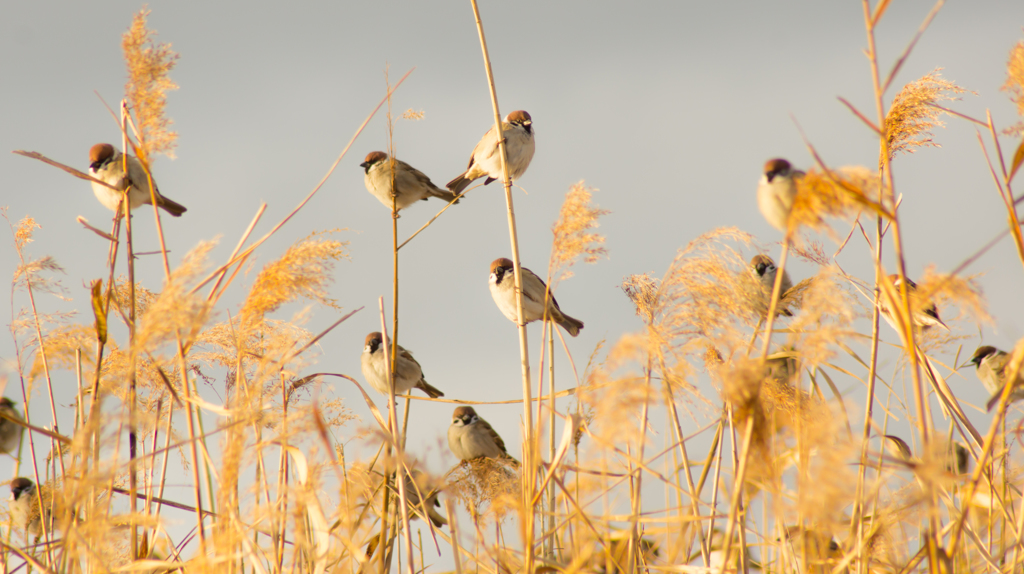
x: 932, y: 312
x: 998, y: 362
x: 416, y: 174
x: 533, y: 286
x: 488, y: 145
x: 494, y: 435
x: 410, y: 364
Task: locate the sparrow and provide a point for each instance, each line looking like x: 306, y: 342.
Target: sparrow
x: 815, y: 549
x: 716, y: 558
x: 10, y: 431
x: 417, y: 486
x: 471, y: 437
x: 106, y: 164
x: 765, y: 271
x: 517, y: 129
x: 408, y: 377
x: 776, y: 191
x: 925, y: 315
x: 503, y: 291
x: 956, y: 455
x: 413, y: 185
x: 992, y: 371
x: 24, y: 506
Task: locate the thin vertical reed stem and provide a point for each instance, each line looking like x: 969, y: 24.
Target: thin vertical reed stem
x: 133, y: 486
x: 529, y: 464
x: 923, y: 420
x: 773, y: 304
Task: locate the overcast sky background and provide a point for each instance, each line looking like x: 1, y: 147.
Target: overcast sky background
x: 668, y: 108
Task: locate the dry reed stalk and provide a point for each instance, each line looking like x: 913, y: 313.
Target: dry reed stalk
x: 905, y: 123
x: 528, y: 439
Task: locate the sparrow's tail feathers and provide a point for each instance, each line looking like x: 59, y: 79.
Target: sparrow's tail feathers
x: 444, y: 194
x: 458, y: 184
x: 993, y: 401
x: 511, y: 459
x: 489, y: 180
x: 571, y: 326
x: 436, y: 518
x: 432, y: 392
x: 170, y: 206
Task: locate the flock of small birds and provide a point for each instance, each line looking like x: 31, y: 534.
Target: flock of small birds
x: 775, y: 195
x: 470, y: 436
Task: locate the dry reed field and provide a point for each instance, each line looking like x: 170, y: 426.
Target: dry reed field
x: 749, y: 423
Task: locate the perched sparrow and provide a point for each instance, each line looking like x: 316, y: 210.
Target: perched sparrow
x: 776, y: 191
x: 925, y: 315
x: 24, y: 506
x: 413, y: 185
x: 10, y: 431
x: 764, y: 269
x: 956, y: 455
x: 106, y: 164
x: 820, y: 550
x: 991, y: 364
x: 716, y: 559
x: 517, y: 130
x: 408, y: 377
x: 417, y: 485
x: 472, y: 437
x: 503, y: 291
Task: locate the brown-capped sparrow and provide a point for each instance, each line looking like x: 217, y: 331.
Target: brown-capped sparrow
x: 409, y: 374
x: 776, y: 192
x: 412, y: 184
x: 503, y: 291
x: 10, y: 431
x: 763, y: 267
x: 24, y: 506
x: 924, y: 313
x: 992, y: 370
x: 106, y: 164
x: 470, y: 436
x: 517, y: 129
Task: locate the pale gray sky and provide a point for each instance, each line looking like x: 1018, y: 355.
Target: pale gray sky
x: 669, y: 108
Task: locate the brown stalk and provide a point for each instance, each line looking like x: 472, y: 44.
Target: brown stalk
x: 924, y: 422
x: 529, y: 464
x: 1007, y: 197
x: 776, y: 293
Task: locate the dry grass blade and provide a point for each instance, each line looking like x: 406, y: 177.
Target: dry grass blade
x: 71, y: 170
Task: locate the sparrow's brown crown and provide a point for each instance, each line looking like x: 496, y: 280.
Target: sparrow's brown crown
x: 19, y: 485
x: 519, y: 117
x: 463, y: 412
x: 373, y: 157
x: 981, y: 353
x: 760, y: 262
x: 373, y: 339
x: 501, y: 263
x: 776, y: 166
x: 100, y: 152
